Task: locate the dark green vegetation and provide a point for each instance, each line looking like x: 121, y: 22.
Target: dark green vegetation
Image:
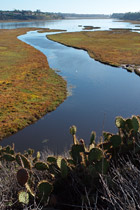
x: 28, y: 15
x: 115, y: 47
x: 28, y: 87
x: 127, y: 16
x: 98, y: 176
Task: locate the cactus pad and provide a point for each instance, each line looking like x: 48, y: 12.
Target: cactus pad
x: 120, y: 123
x: 38, y: 155
x: 51, y: 159
x: 115, y: 140
x: 75, y: 152
x: 23, y: 197
x: 23, y: 161
x: 44, y: 189
x: 135, y: 124
x: 30, y: 151
x: 62, y: 164
x: 92, y: 137
x: 95, y: 154
x: 9, y: 157
x: 41, y: 166
x: 73, y: 130
x: 22, y: 176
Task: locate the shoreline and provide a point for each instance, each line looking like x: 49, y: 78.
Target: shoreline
x: 129, y: 21
x: 29, y: 87
x: 68, y: 18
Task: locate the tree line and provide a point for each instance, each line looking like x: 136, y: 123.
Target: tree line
x: 38, y: 15
x: 28, y: 15
x: 127, y: 16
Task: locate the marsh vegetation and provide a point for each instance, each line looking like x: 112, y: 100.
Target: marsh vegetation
x: 115, y: 47
x: 29, y: 88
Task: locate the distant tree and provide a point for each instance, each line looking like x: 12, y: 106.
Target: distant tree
x: 38, y: 11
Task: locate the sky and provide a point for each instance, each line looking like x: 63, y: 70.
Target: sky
x: 73, y: 6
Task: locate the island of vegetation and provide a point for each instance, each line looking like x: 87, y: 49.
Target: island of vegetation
x: 29, y: 88
x: 116, y: 47
x: 90, y: 27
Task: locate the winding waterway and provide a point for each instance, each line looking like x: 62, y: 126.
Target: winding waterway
x: 97, y: 92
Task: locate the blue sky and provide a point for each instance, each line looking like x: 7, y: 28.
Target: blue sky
x: 73, y: 6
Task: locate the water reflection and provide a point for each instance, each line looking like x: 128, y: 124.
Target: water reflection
x: 70, y: 25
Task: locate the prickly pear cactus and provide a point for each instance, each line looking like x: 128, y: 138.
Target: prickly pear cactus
x: 23, y: 197
x: 115, y: 141
x: 120, y: 122
x: 8, y: 150
x: 73, y: 130
x: 22, y: 176
x: 41, y: 166
x: 23, y: 161
x: 95, y: 154
x: 92, y: 137
x: 107, y: 136
x: 135, y: 124
x: 76, y: 149
x: 105, y: 145
x: 44, y: 189
x: 62, y: 165
x: 51, y: 159
x: 128, y: 125
x: 38, y: 155
x: 30, y: 151
x: 8, y: 157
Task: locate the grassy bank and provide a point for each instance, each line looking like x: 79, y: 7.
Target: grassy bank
x: 111, y: 47
x: 28, y: 87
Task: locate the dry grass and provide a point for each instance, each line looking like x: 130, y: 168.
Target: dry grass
x: 110, y: 47
x: 121, y: 190
x: 28, y: 87
x: 118, y: 190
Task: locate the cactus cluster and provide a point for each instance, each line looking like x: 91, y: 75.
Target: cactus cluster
x: 86, y: 162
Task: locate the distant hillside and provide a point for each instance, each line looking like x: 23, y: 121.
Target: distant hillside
x: 127, y: 16
x: 38, y: 15
x: 28, y: 15
x: 74, y: 15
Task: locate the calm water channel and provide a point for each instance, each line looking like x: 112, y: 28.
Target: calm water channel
x: 97, y: 92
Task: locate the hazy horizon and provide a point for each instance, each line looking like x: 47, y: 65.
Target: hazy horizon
x: 74, y: 6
